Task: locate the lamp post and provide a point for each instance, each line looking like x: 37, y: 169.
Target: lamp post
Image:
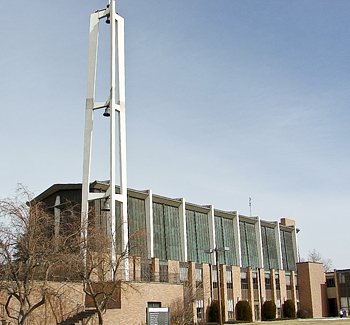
x: 216, y: 250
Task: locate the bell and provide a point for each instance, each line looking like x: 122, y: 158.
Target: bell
x: 105, y: 205
x: 108, y: 20
x: 107, y: 112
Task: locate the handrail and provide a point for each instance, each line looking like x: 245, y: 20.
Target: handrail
x: 73, y: 313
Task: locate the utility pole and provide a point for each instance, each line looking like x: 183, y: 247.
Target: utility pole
x: 216, y: 250
x: 250, y: 207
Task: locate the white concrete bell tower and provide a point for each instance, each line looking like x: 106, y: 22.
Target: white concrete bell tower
x: 115, y: 104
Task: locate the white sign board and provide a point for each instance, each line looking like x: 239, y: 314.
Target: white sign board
x: 158, y: 316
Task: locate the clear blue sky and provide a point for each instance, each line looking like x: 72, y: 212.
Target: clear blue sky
x: 225, y: 100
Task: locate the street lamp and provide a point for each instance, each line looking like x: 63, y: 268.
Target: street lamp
x: 216, y: 250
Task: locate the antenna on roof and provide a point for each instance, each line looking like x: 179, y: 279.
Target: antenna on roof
x: 250, y: 206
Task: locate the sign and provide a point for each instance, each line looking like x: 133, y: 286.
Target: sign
x: 158, y: 316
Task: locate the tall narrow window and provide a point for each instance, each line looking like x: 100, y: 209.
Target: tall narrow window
x: 199, y: 277
x: 277, y: 278
x: 183, y: 272
x: 230, y: 309
x: 267, y: 281
x: 229, y: 279
x: 215, y: 277
x: 255, y: 280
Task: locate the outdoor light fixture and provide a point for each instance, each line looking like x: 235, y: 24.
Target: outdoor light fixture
x: 216, y: 250
x: 105, y: 205
x: 107, y: 112
x: 108, y: 21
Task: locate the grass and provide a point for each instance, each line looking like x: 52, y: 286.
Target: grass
x: 310, y: 321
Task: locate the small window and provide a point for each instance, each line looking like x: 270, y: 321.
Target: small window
x: 183, y: 274
x: 230, y: 309
x: 146, y: 273
x: 330, y: 282
x: 288, y: 284
x: 163, y: 273
x: 199, y: 275
x: 244, y: 280
x: 200, y: 309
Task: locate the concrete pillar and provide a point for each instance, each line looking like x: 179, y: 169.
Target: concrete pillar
x: 237, y: 235
x: 57, y: 215
x: 155, y: 269
x: 192, y: 288
x: 149, y: 223
x: 258, y: 275
x: 212, y: 240
x: 279, y: 246
x: 251, y: 291
x: 283, y: 287
x: 337, y: 289
x: 273, y: 287
x: 223, y: 281
x: 183, y: 231
x: 294, y: 291
x: 206, y: 287
x: 259, y: 242
x: 261, y: 273
x: 236, y: 286
x: 137, y: 268
x: 173, y: 271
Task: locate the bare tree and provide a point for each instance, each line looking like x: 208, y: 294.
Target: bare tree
x: 91, y: 263
x: 181, y: 308
x: 316, y: 257
x: 27, y: 254
x: 32, y: 253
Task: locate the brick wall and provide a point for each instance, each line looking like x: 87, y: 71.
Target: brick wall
x: 134, y: 299
x: 312, y: 289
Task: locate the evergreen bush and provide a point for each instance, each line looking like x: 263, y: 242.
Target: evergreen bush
x: 268, y: 311
x: 243, y: 311
x: 213, y: 312
x: 289, y: 309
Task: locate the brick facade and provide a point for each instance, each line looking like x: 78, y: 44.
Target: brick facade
x: 312, y: 289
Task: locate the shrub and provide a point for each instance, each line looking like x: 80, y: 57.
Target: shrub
x: 289, y: 309
x: 304, y: 313
x: 213, y: 312
x: 243, y: 311
x: 268, y: 311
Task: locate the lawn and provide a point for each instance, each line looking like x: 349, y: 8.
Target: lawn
x: 324, y: 321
